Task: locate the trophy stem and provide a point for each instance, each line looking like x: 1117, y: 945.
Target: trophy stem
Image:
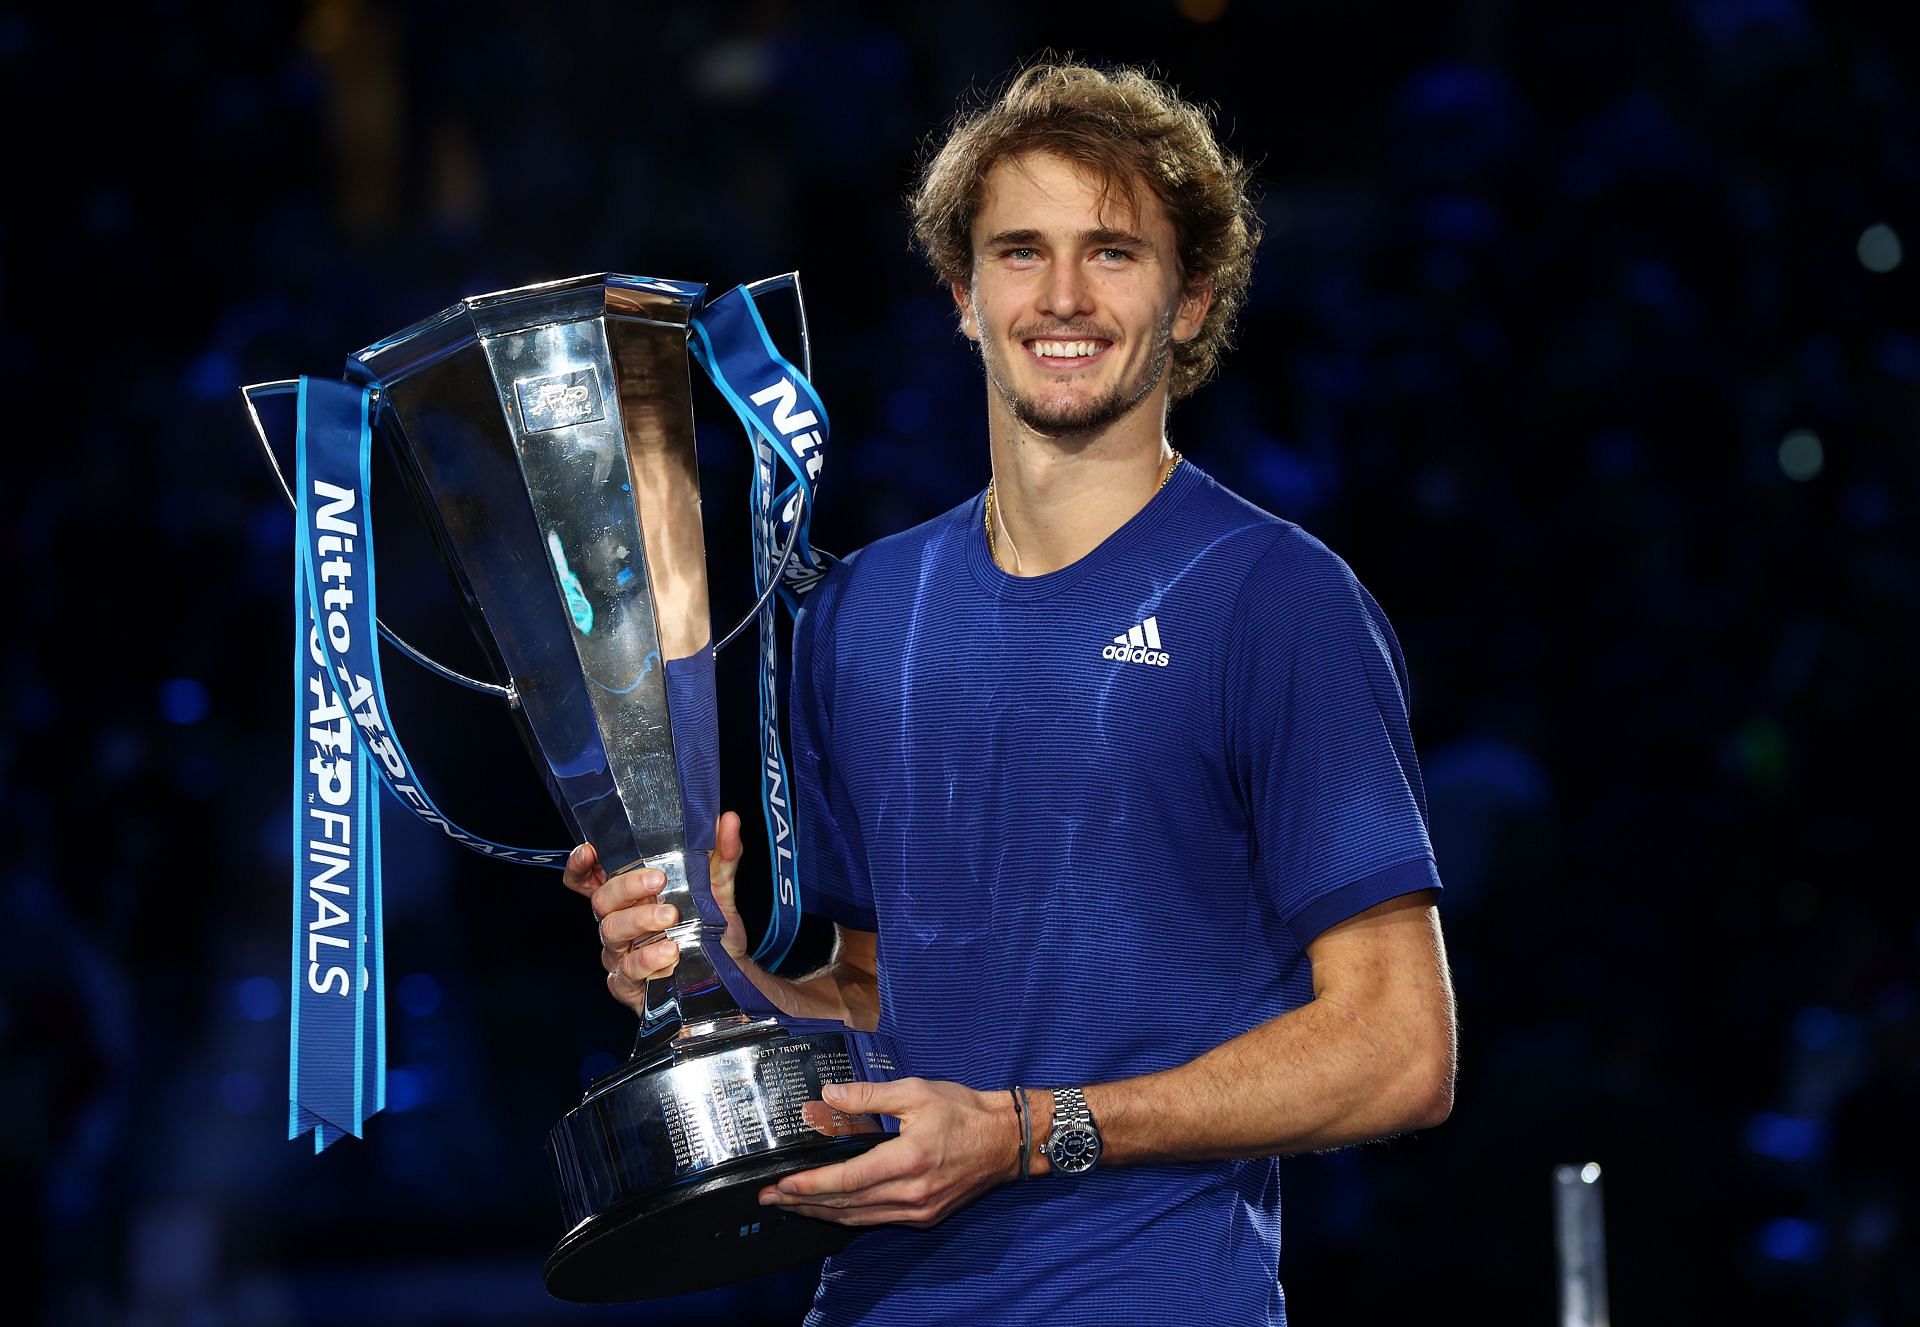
x: 692, y: 1000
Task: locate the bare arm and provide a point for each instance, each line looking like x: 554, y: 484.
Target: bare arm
x: 846, y: 988
x: 1371, y: 1054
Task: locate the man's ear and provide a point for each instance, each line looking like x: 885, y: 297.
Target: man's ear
x: 1194, y: 303
x: 963, y: 302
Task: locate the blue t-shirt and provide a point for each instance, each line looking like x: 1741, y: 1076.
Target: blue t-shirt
x: 1095, y: 817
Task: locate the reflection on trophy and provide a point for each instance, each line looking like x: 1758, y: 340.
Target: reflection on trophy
x: 548, y: 433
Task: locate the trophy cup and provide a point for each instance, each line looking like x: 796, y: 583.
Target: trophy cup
x: 547, y: 432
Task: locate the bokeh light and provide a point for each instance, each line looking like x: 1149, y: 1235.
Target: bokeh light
x: 1879, y: 248
x: 1802, y: 455
x: 184, y: 700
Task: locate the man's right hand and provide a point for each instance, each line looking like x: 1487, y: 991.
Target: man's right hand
x: 631, y: 919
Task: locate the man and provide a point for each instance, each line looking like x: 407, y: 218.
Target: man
x: 1108, y: 785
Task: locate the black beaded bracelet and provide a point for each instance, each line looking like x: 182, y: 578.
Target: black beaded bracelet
x: 1026, y: 1130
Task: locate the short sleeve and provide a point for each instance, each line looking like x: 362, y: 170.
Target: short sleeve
x: 833, y: 876
x: 1319, y: 741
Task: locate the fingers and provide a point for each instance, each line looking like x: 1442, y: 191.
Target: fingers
x: 582, y: 873
x: 630, y: 922
x: 823, y: 1118
x: 896, y: 1161
x: 724, y: 861
x: 903, y: 1214
x: 627, y: 889
x: 632, y: 949
x: 886, y: 1185
x: 942, y: 1159
x: 863, y: 1098
x: 639, y: 965
x: 727, y: 844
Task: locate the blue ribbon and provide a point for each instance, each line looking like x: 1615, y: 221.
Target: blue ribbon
x: 343, y: 740
x: 786, y: 422
x: 336, y: 812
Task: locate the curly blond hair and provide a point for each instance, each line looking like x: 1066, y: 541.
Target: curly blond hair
x: 1130, y: 129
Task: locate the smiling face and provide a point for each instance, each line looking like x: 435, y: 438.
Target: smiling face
x: 1076, y: 298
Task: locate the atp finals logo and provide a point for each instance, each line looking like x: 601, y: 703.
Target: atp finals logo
x: 560, y: 400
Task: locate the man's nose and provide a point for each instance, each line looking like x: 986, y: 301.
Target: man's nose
x: 1066, y: 293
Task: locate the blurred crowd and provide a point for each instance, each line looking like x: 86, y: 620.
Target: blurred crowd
x: 1583, y: 332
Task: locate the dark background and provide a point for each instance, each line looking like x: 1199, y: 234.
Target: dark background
x: 1581, y: 331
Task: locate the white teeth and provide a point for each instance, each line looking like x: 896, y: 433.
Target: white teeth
x: 1065, y: 349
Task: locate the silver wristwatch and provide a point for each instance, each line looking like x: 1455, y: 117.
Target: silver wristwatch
x: 1073, y: 1147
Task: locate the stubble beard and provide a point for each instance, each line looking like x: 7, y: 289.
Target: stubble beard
x: 1091, y: 417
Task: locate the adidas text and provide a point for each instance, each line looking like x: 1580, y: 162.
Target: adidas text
x: 1139, y: 644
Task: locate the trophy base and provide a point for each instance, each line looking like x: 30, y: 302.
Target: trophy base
x: 661, y: 1166
x: 709, y: 1232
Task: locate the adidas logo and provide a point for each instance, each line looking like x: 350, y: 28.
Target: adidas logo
x: 1140, y: 645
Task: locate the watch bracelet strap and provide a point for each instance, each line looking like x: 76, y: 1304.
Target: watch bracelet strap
x: 1070, y: 1107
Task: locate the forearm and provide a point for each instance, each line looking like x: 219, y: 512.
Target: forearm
x: 840, y: 990
x: 1317, y: 1077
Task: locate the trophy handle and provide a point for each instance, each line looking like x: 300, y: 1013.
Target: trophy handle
x: 773, y: 583
x: 789, y: 281
x: 766, y: 286
x: 280, y: 387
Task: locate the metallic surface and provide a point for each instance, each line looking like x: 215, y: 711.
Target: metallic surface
x: 1073, y: 1146
x: 660, y: 1167
x: 702, y: 1104
x: 1580, y: 1241
x: 547, y: 533
x: 693, y: 998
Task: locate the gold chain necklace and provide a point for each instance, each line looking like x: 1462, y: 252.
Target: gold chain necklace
x: 993, y: 545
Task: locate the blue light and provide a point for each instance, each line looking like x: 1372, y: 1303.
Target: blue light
x: 418, y: 994
x: 1897, y: 355
x: 183, y: 701
x: 240, y: 1091
x: 1816, y: 1028
x: 36, y: 707
x: 409, y: 1089
x: 1615, y: 452
x: 1652, y: 283
x: 1287, y: 478
x: 1789, y: 1239
x: 258, y: 998
x: 1785, y: 1137
x: 1460, y: 219
x: 211, y: 377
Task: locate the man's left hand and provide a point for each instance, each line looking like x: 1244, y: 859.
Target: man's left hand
x: 954, y: 1144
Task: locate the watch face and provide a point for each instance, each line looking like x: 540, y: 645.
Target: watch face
x: 1075, y: 1149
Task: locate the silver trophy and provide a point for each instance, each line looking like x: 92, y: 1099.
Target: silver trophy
x: 548, y: 434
